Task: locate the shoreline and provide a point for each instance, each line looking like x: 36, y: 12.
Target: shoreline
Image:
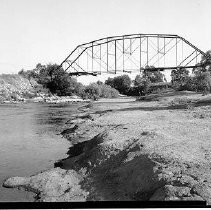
x: 118, y: 153
x: 48, y: 100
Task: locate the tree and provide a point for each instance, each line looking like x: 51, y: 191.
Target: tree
x: 59, y: 84
x: 153, y: 76
x: 53, y: 77
x: 99, y: 82
x: 78, y: 88
x: 202, y: 74
x: 138, y: 80
x: 179, y: 78
x: 48, y: 73
x: 206, y: 60
x: 110, y: 82
x: 202, y: 80
x: 122, y: 83
x: 142, y: 84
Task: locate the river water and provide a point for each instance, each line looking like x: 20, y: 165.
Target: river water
x: 29, y: 142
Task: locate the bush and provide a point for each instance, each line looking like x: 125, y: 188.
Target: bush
x: 202, y: 81
x: 188, y: 84
x: 91, y: 91
x: 78, y: 88
x: 141, y: 86
x: 120, y: 83
x: 95, y: 91
x: 53, y: 77
x: 153, y: 76
x: 107, y: 91
x: 110, y: 82
x: 179, y: 79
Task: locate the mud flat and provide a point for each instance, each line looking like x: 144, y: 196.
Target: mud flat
x: 123, y: 149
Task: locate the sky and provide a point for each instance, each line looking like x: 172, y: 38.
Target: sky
x: 46, y: 31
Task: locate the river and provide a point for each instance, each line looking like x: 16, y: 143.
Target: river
x: 30, y: 142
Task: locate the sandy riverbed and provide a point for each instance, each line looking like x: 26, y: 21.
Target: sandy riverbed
x: 132, y: 150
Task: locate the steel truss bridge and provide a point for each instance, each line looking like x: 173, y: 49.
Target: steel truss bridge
x: 132, y: 53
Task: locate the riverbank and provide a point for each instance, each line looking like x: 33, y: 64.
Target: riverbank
x: 54, y: 99
x: 15, y: 89
x: 46, y: 99
x: 124, y: 149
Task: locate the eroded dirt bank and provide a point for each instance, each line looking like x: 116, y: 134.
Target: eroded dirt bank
x: 130, y: 150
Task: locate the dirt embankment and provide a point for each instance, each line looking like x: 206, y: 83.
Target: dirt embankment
x: 14, y: 87
x: 128, y: 150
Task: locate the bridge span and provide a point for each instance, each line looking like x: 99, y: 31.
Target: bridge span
x: 132, y: 53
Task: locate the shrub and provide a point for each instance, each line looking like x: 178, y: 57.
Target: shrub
x: 142, y: 85
x: 107, y: 91
x: 95, y: 91
x: 91, y: 91
x: 202, y: 81
x: 78, y: 88
x: 120, y: 83
x: 179, y: 79
x: 153, y: 76
x: 110, y: 82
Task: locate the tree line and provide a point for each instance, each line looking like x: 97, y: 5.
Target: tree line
x: 55, y: 80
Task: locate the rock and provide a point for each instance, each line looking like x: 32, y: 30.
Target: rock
x: 169, y: 192
x: 16, y: 182
x: 193, y: 198
x: 187, y: 180
x: 159, y: 195
x: 54, y: 185
x: 203, y: 190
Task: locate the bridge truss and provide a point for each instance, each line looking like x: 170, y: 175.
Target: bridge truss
x: 132, y: 54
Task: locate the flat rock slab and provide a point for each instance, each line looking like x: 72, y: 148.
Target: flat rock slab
x: 53, y: 185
